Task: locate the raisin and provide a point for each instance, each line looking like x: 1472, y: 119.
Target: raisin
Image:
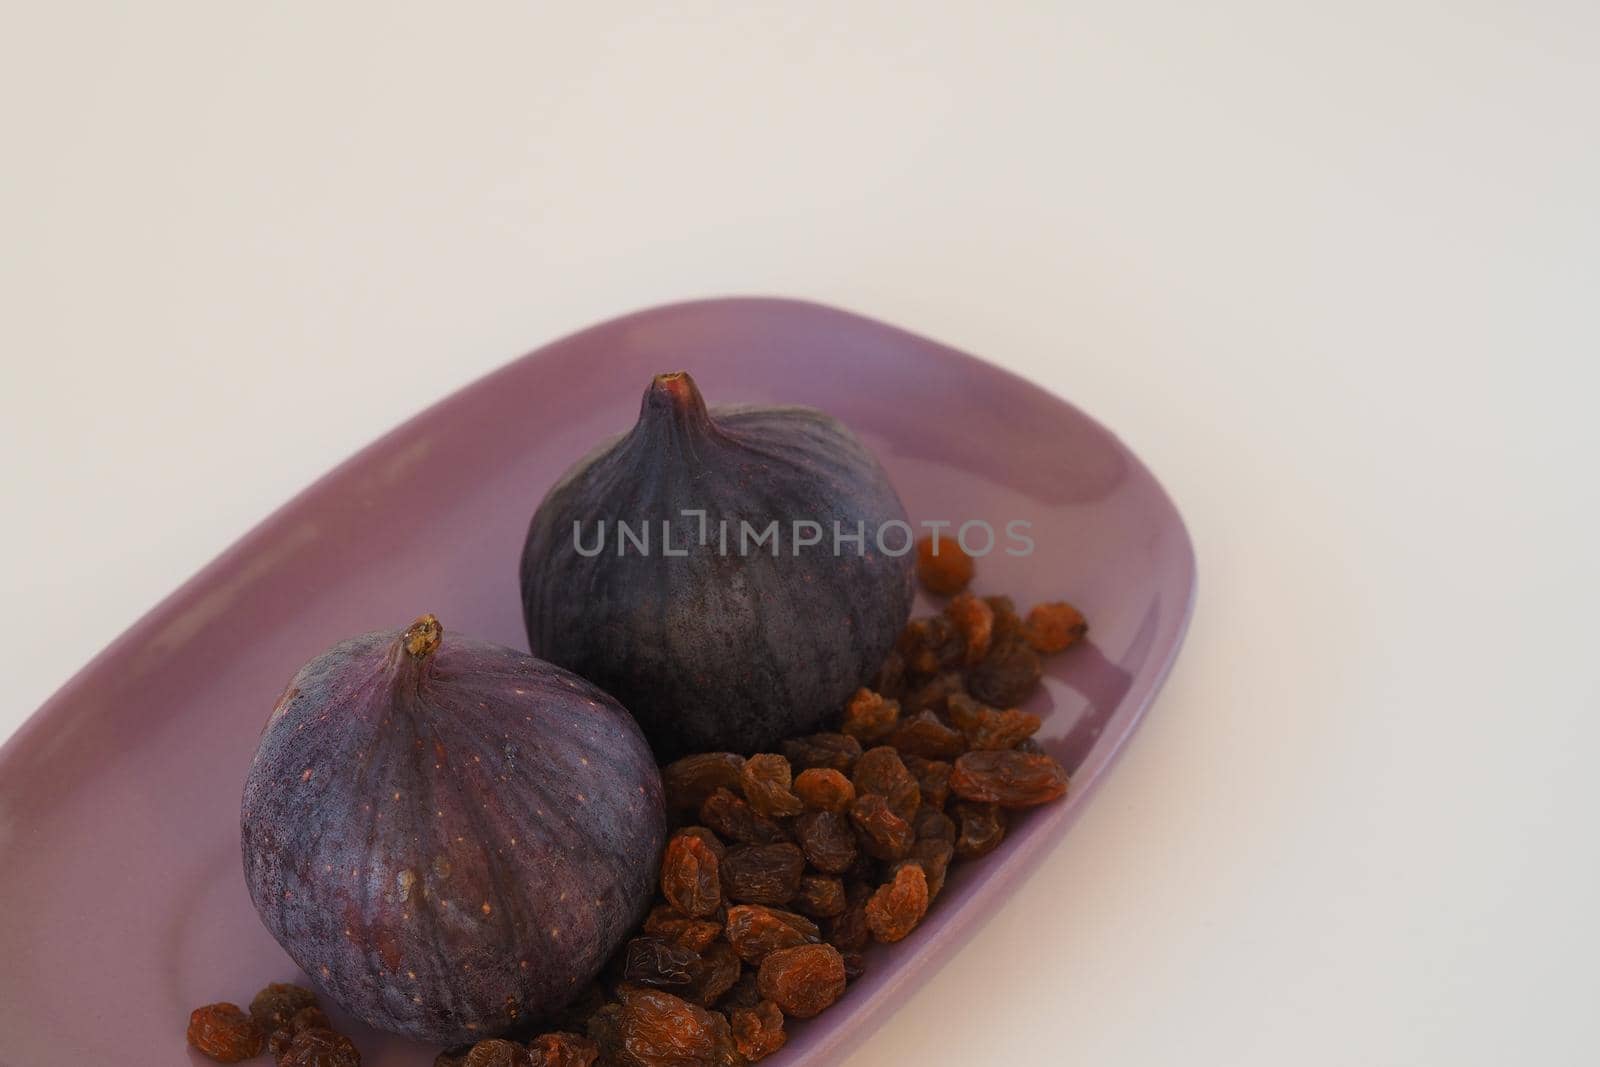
x: 892, y: 676
x: 926, y: 736
x: 931, y: 644
x: 744, y: 993
x: 933, y: 825
x: 883, y: 834
x: 754, y: 931
x: 979, y: 828
x: 758, y: 1031
x: 497, y: 1052
x: 274, y: 1006
x: 763, y: 874
x: 1007, y: 623
x: 933, y: 779
x: 824, y: 789
x: 562, y: 1049
x: 690, y: 780
x: 803, y: 980
x: 310, y: 1018
x: 880, y: 771
x: 657, y: 1029
x: 736, y: 820
x: 1053, y: 627
x: 713, y: 973
x: 828, y: 841
x: 936, y: 693
x: 974, y: 621
x: 225, y: 1033
x: 855, y: 965
x: 869, y: 716
x: 1010, y: 779
x: 1008, y: 676
x: 689, y: 876
x: 849, y: 932
x: 996, y: 730
x: 708, y: 836
x: 653, y: 961
x: 820, y: 896
x: 320, y: 1048
x: 963, y: 712
x: 765, y: 780
x: 837, y: 752
x: 934, y: 857
x: 896, y: 908
x: 943, y: 566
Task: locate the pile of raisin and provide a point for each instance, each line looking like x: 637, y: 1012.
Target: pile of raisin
x: 783, y: 867
x: 284, y: 1020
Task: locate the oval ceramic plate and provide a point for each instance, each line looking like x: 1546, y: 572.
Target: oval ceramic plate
x: 124, y: 901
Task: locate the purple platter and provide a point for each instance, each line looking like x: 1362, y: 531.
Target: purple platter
x: 124, y: 901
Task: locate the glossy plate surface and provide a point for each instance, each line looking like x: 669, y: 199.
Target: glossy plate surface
x: 124, y: 901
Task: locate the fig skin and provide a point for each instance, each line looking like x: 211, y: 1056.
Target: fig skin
x: 714, y: 651
x: 448, y: 836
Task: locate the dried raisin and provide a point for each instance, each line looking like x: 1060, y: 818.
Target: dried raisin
x: 974, y: 621
x: 690, y: 878
x: 979, y: 828
x: 655, y: 962
x: 896, y: 908
x: 1008, y: 676
x: 763, y: 874
x: 880, y: 771
x: 657, y: 1029
x: 824, y: 789
x: 837, y: 752
x: 225, y: 1033
x: 497, y: 1052
x: 995, y: 730
x: 1010, y: 779
x: 755, y: 930
x: 758, y: 1031
x: 870, y: 717
x: 802, y: 981
x: 933, y: 779
x: 936, y: 693
x: 562, y: 1049
x: 320, y: 1048
x: 736, y: 820
x: 933, y: 825
x: 926, y: 736
x: 690, y: 780
x: 828, y: 841
x: 308, y: 1018
x: 275, y: 1005
x: 820, y: 896
x: 712, y: 974
x: 1054, y: 626
x: 943, y: 566
x: 883, y: 834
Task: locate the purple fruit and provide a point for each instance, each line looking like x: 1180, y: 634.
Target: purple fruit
x: 449, y: 836
x: 716, y: 629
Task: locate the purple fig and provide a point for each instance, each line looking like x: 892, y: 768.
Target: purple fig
x: 731, y: 575
x: 448, y: 836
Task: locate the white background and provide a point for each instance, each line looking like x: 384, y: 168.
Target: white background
x: 1331, y: 269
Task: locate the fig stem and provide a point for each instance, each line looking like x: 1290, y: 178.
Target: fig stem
x: 422, y: 637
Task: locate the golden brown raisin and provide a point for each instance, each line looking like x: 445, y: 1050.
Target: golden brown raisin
x: 755, y: 930
x: 828, y: 840
x: 690, y: 780
x: 979, y: 828
x: 802, y: 981
x: 926, y: 736
x: 275, y: 1005
x: 1007, y: 623
x: 766, y: 783
x: 869, y: 716
x: 934, y: 857
x: 763, y: 874
x: 497, y: 1052
x: 896, y: 908
x: 837, y: 752
x: 883, y: 834
x: 880, y: 771
x: 974, y: 620
x: 225, y: 1033
x: 309, y: 1018
x: 653, y: 961
x: 735, y: 820
x: 713, y: 974
x: 1008, y: 676
x: 931, y: 644
x: 562, y: 1049
x: 1053, y: 627
x: 936, y: 693
x: 933, y: 779
x: 933, y: 825
x: 1009, y: 779
x: 820, y: 896
x: 824, y: 789
x: 943, y: 567
x: 690, y: 878
x: 758, y: 1031
x: 995, y: 730
x: 670, y: 924
x: 320, y: 1048
x: 657, y: 1029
